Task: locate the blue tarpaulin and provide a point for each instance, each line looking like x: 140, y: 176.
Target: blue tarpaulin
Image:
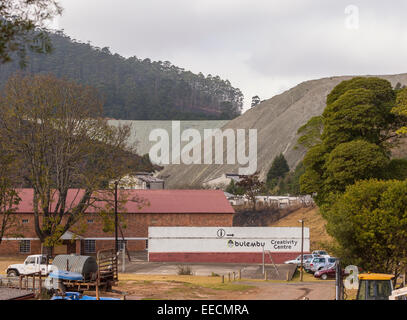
x: 77, y: 296
x: 66, y: 275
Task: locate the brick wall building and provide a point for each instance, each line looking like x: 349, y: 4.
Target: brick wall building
x: 161, y: 208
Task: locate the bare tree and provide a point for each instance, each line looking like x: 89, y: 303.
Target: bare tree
x: 56, y: 128
x: 252, y: 187
x: 9, y: 198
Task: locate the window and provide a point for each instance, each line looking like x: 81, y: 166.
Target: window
x: 384, y: 289
x: 370, y: 289
x: 25, y: 246
x: 362, y: 290
x: 30, y: 260
x: 90, y: 246
x: 24, y: 221
x: 90, y: 220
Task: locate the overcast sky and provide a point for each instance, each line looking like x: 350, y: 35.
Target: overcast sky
x: 263, y: 47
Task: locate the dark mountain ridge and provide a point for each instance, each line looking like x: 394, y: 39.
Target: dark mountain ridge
x: 135, y: 89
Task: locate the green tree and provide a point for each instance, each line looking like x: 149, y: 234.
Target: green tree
x: 358, y: 132
x: 381, y: 88
x: 366, y: 217
x: 352, y: 161
x: 369, y: 222
x: 255, y: 101
x: 233, y: 188
x: 400, y: 108
x: 291, y: 183
x: 357, y: 114
x: 133, y: 88
x: 310, y: 133
x: 279, y: 168
x: 312, y: 179
x: 397, y: 87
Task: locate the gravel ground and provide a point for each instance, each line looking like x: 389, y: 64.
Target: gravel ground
x: 250, y: 271
x: 9, y: 293
x: 324, y: 290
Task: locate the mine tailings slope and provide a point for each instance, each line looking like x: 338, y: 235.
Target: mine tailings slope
x: 277, y: 121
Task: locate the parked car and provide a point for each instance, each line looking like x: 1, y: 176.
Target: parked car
x: 320, y: 253
x: 33, y: 263
x: 319, y: 263
x: 297, y: 260
x: 329, y: 272
x: 307, y: 263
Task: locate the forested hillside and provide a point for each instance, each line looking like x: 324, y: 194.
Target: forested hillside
x: 136, y: 89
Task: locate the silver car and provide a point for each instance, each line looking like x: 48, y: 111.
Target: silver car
x: 297, y: 260
x: 320, y: 263
x: 321, y: 253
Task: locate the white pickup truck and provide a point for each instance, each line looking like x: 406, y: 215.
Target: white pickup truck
x: 33, y: 263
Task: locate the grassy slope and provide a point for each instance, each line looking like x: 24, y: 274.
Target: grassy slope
x: 312, y: 219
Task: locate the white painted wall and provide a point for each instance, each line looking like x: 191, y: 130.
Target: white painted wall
x: 226, y: 239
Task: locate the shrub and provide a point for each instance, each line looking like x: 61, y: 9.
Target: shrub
x: 184, y: 270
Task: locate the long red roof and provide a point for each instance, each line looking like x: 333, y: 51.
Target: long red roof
x: 152, y: 201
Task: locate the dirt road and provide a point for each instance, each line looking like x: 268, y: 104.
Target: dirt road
x: 239, y: 290
x: 324, y: 290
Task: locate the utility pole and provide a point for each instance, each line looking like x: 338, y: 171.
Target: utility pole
x: 263, y: 259
x: 338, y: 280
x: 302, y: 249
x: 116, y: 234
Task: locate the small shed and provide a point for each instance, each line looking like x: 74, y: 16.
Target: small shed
x: 85, y: 265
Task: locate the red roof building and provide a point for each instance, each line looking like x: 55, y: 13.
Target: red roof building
x: 138, y: 210
x: 144, y: 201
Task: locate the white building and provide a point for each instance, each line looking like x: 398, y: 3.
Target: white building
x: 223, y: 181
x: 143, y: 180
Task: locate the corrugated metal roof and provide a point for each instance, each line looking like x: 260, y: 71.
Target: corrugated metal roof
x: 84, y: 265
x: 149, y: 179
x: 155, y: 201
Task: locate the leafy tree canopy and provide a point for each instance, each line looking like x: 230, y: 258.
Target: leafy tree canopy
x: 381, y: 88
x: 352, y: 161
x: 310, y: 133
x: 366, y: 217
x: 369, y: 221
x: 401, y: 107
x: 290, y: 184
x: 358, y: 130
x: 134, y: 88
x: 356, y: 114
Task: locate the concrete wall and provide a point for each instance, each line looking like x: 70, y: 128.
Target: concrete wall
x: 225, y: 244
